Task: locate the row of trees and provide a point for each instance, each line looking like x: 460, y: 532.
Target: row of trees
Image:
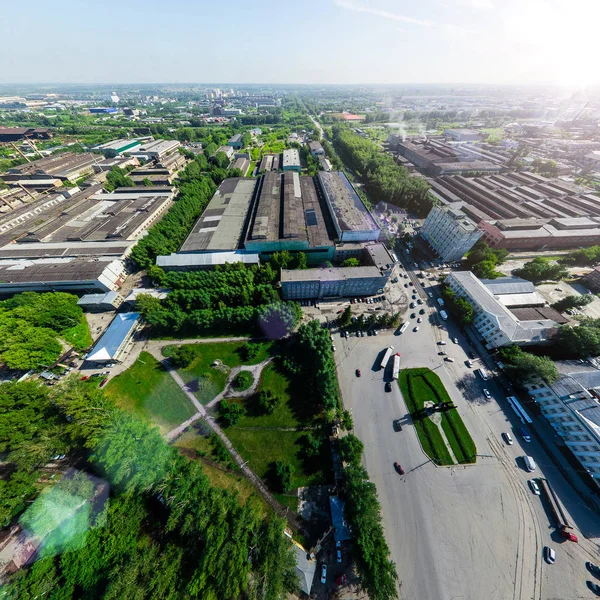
x: 541, y: 269
x: 382, y: 320
x: 383, y: 178
x: 523, y: 367
x: 163, y: 532
x: 583, y: 257
x: 460, y: 308
x: 31, y: 325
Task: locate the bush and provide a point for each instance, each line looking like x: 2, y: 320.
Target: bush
x: 230, y: 412
x: 281, y: 472
x: 267, y: 401
x: 183, y: 356
x: 242, y: 381
x: 249, y: 351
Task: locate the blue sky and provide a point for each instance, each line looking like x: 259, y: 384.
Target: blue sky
x: 305, y: 41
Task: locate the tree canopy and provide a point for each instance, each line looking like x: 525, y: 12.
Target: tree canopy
x: 541, y: 269
x: 523, y: 367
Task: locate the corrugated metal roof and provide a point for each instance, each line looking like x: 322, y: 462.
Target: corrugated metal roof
x: 508, y: 285
x: 108, y: 346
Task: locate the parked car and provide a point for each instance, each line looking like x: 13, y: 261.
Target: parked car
x: 422, y: 311
x: 471, y: 354
x: 486, y: 393
x: 339, y: 555
x: 85, y: 378
x: 358, y: 373
x: 419, y: 301
x: 399, y: 468
x: 430, y: 294
x: 593, y: 587
x: 455, y: 340
x: 449, y: 359
x: 416, y: 328
x: 534, y: 486
x: 388, y: 386
x: 324, y: 574
x: 549, y: 555
x: 414, y: 296
x: 397, y: 425
x: 410, y: 283
x: 103, y: 383
x: 442, y: 353
x: 413, y: 315
x: 469, y: 363
x: 419, y: 320
x: 507, y: 438
x: 441, y: 343
x: 593, y: 569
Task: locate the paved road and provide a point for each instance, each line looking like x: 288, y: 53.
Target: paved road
x: 461, y: 533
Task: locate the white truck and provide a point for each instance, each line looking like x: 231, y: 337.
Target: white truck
x: 386, y: 357
x: 396, y: 370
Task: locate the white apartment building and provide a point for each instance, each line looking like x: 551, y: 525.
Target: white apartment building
x: 571, y: 406
x: 450, y: 232
x: 495, y: 322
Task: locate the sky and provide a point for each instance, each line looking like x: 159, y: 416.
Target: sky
x: 301, y: 41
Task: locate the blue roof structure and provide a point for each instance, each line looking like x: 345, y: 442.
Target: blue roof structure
x: 109, y: 345
x: 340, y: 525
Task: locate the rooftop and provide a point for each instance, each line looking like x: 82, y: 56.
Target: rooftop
x: 108, y: 346
x: 348, y: 209
x: 508, y: 285
x: 291, y: 158
x: 266, y: 219
x: 205, y: 260
x: 333, y: 274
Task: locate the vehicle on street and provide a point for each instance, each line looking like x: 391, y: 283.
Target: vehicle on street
x: 103, y: 383
x: 324, y: 574
x: 449, y: 359
x: 410, y: 283
x: 339, y: 555
x: 534, y: 487
x: 525, y: 434
x: 471, y: 354
x: 469, y: 363
x: 483, y: 374
x: 440, y: 301
x: 414, y: 296
x: 442, y: 343
x: 416, y: 328
x: 422, y: 311
x: 404, y: 327
x: 507, y: 438
x: 386, y: 357
x: 419, y: 301
x: 388, y: 386
x: 399, y: 468
x: 444, y: 315
x: 593, y: 569
x: 412, y: 305
x: 358, y: 373
x: 413, y: 315
x: 106, y: 372
x: 398, y: 427
x: 455, y: 340
x: 406, y: 285
x: 420, y: 320
x: 549, y: 555
x: 594, y: 587
x: 430, y: 294
x: 442, y: 353
x: 486, y: 393
x: 396, y: 365
x: 529, y: 463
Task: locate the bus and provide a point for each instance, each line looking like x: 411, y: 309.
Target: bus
x: 386, y: 357
x: 519, y: 410
x: 404, y: 326
x: 483, y: 374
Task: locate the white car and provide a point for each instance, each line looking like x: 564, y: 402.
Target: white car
x: 324, y: 574
x: 487, y: 394
x: 419, y: 320
x: 430, y: 294
x: 455, y: 340
x: 442, y: 343
x: 416, y: 329
x: 549, y: 555
x: 534, y: 486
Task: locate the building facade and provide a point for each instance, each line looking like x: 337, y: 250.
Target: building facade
x: 450, y: 232
x: 331, y: 283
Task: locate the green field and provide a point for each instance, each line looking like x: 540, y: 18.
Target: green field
x: 147, y: 389
x: 419, y: 386
x: 206, y: 381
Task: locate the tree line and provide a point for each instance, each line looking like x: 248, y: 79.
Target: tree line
x: 383, y: 178
x: 163, y: 532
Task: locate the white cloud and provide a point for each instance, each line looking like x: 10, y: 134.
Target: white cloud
x: 358, y: 7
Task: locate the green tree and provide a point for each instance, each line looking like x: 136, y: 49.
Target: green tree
x: 242, y: 381
x: 523, y: 367
x: 279, y: 319
x: 346, y: 317
x: 117, y: 178
x: 282, y: 260
x: 572, y: 302
x: 579, y: 342
x: 230, y: 412
x: 267, y: 401
x: 147, y: 182
x: 351, y: 262
x: 282, y: 475
x: 249, y: 351
x: 221, y: 160
x: 346, y: 421
x: 541, y: 269
x: 183, y: 356
x: 301, y: 261
x: 351, y: 449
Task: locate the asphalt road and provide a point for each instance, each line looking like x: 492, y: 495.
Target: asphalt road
x: 460, y: 533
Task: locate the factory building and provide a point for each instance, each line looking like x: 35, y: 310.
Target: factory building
x: 352, y: 220
x: 112, y: 346
x: 269, y: 162
x: 291, y: 160
x: 497, y: 324
x: 316, y: 149
x: 571, y: 405
x: 235, y: 141
x: 100, y: 302
x: 288, y: 216
x: 524, y: 211
x: 156, y: 149
x: 117, y: 147
x: 65, y: 167
x: 450, y: 232
x: 465, y: 135
x: 16, y: 134
x: 592, y: 280
x: 331, y: 283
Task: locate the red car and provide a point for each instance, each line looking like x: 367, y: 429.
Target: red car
x: 399, y: 468
x: 358, y: 373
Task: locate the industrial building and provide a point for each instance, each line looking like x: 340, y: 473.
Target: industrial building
x: 352, y: 220
x: 16, y: 134
x: 571, y: 405
x: 269, y: 162
x: 205, y: 261
x: 291, y: 160
x: 331, y: 283
x: 465, y: 135
x: 117, y: 147
x: 449, y: 232
x: 524, y: 211
x: 316, y: 149
x: 67, y: 166
x: 497, y: 323
x: 112, y: 346
x: 288, y: 216
x: 235, y: 141
x: 156, y: 149
x: 100, y: 302
x: 243, y: 164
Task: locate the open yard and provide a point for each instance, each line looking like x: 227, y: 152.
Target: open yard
x: 147, y: 389
x: 206, y: 381
x: 420, y: 386
x: 78, y: 336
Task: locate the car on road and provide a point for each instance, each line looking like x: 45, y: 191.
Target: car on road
x: 324, y: 574
x: 455, y: 340
x: 419, y: 301
x: 103, y: 383
x: 398, y: 426
x: 469, y: 363
x: 549, y: 555
x: 422, y: 311
x: 338, y: 555
x: 399, y: 468
x: 449, y: 359
x: 412, y: 315
x: 471, y: 354
x: 534, y: 486
x: 441, y: 353
x: 358, y: 373
x: 507, y: 438
x: 442, y: 343
x: 388, y: 386
x: 486, y: 393
x: 593, y: 569
x: 594, y: 587
x: 430, y: 294
x: 416, y: 328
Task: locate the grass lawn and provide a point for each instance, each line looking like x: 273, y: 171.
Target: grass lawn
x: 147, y: 389
x: 79, y: 335
x: 206, y: 381
x: 421, y: 385
x: 262, y: 447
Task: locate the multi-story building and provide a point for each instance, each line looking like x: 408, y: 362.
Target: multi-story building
x: 331, y: 283
x: 571, y: 406
x: 496, y: 323
x: 291, y: 160
x: 450, y: 232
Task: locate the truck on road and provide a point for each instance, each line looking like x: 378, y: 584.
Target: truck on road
x: 386, y: 357
x: 560, y: 520
x: 396, y: 370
